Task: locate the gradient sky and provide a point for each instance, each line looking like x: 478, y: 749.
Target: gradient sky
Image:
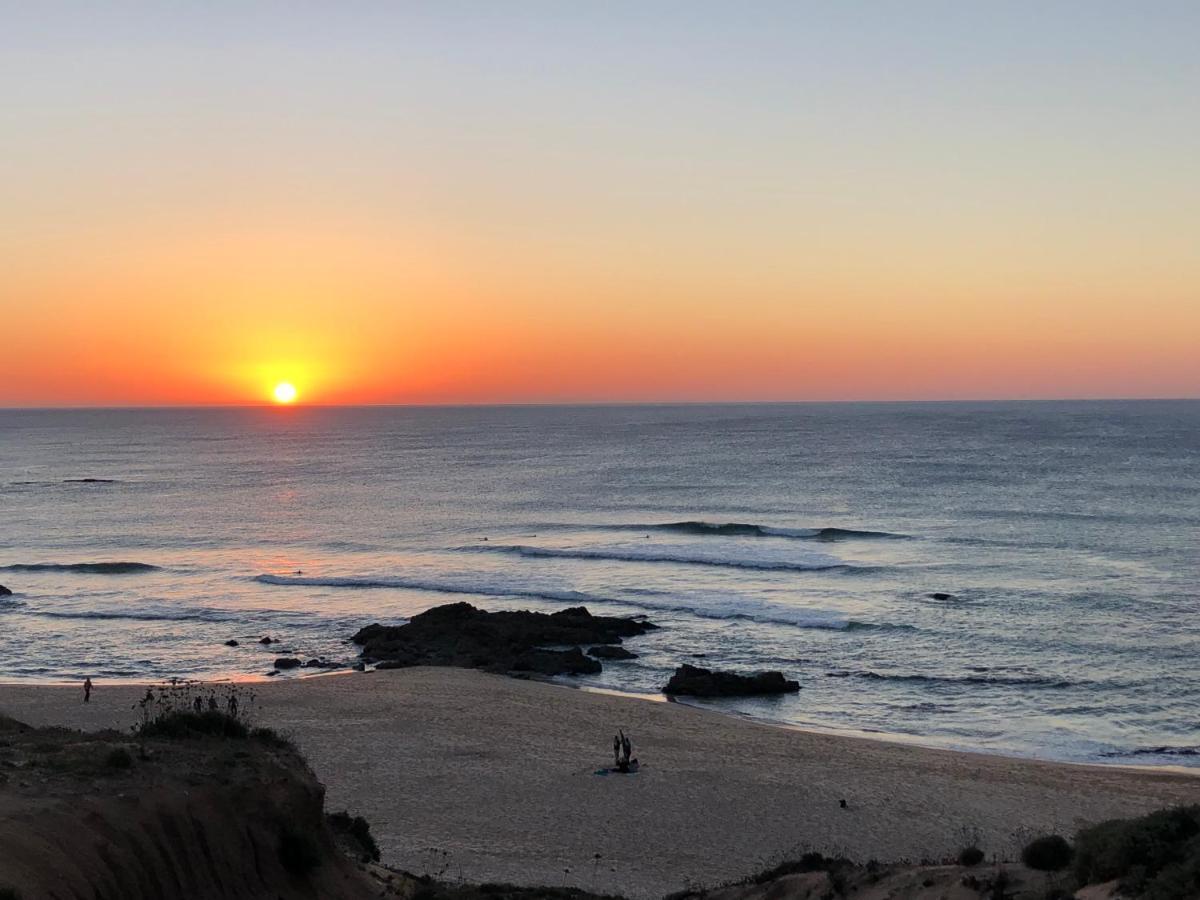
x: 553, y: 201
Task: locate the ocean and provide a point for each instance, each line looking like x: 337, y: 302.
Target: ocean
x: 1019, y: 578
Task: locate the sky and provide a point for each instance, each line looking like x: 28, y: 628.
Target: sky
x: 525, y: 201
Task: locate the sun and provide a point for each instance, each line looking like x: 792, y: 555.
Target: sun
x: 284, y: 392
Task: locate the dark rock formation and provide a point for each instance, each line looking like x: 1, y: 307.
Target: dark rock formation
x: 231, y: 643
x: 322, y: 664
x: 265, y: 640
x: 458, y: 634
x: 607, y: 651
x: 5, y: 592
x: 287, y: 662
x: 697, y: 682
x: 940, y: 595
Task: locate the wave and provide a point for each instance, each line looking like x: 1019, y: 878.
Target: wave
x: 93, y: 568
x: 1006, y: 680
x: 136, y: 616
x: 1156, y: 751
x: 722, y: 608
x: 441, y: 587
x: 678, y: 554
x: 744, y: 529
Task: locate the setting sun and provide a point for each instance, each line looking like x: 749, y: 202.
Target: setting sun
x: 284, y: 392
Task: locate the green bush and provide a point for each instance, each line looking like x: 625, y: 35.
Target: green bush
x: 118, y: 758
x: 8, y: 893
x: 970, y: 856
x: 1156, y: 856
x: 298, y: 851
x: 1049, y: 853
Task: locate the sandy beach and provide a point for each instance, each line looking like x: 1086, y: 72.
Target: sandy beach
x: 493, y: 779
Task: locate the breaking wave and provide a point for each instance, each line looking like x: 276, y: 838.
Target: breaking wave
x: 1014, y: 680
x: 679, y: 554
x: 743, y: 529
x: 721, y: 608
x: 92, y: 568
x: 442, y: 587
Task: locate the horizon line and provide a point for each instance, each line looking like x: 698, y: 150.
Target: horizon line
x: 592, y: 403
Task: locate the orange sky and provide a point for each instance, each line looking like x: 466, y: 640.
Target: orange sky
x: 492, y: 216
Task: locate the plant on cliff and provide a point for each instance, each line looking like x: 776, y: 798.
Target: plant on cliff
x: 1156, y: 857
x: 1049, y: 853
x: 358, y: 829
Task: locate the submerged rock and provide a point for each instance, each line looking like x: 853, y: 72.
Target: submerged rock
x: 696, y: 682
x: 287, y: 662
x: 459, y: 634
x: 266, y: 640
x: 607, y: 651
x: 322, y: 664
x: 941, y: 595
x: 231, y: 643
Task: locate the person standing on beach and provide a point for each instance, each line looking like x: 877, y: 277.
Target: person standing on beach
x: 87, y: 690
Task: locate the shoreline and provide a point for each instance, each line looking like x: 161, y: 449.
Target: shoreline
x: 496, y: 779
x: 891, y: 738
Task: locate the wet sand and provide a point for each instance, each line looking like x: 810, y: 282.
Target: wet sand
x: 489, y: 778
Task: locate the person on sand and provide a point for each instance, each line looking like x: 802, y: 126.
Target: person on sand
x: 87, y: 690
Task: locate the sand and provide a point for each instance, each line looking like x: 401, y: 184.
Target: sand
x: 489, y: 778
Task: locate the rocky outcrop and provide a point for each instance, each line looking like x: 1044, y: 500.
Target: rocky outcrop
x: 287, y: 662
x: 696, y: 682
x: 5, y: 592
x: 459, y: 634
x: 607, y: 651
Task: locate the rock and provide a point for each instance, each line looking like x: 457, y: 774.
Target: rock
x: 5, y: 592
x: 359, y: 667
x: 606, y: 651
x: 322, y: 664
x: 287, y: 662
x: 458, y: 634
x: 231, y: 643
x: 696, y: 682
x: 941, y: 595
x: 556, y: 662
x: 265, y: 640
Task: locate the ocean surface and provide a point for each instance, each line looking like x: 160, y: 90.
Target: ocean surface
x: 807, y: 538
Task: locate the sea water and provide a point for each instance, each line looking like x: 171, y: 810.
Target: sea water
x: 1014, y: 577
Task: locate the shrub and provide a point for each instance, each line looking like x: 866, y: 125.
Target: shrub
x: 118, y: 758
x: 1049, y: 853
x: 357, y: 828
x: 1156, y: 856
x: 9, y: 893
x: 298, y: 852
x: 272, y: 738
x: 186, y: 724
x: 809, y: 862
x: 970, y: 856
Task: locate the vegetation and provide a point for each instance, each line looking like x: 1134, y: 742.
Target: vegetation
x: 1049, y: 853
x: 1156, y: 857
x: 118, y: 758
x: 970, y: 856
x: 7, y: 893
x: 184, y: 709
x: 357, y: 828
